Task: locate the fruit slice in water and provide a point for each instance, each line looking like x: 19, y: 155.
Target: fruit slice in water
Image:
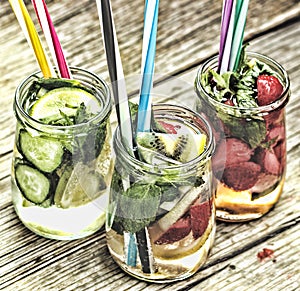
x: 182, y: 146
x: 66, y: 100
x: 34, y: 185
x: 200, y: 214
x: 179, y: 230
x: 45, y: 153
x: 269, y: 89
x: 77, y: 186
x: 241, y: 176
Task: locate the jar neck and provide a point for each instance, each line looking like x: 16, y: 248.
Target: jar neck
x: 87, y: 79
x: 160, y: 111
x: 212, y: 63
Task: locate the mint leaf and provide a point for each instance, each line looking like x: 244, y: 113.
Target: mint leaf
x: 81, y: 115
x: 137, y: 206
x: 250, y: 130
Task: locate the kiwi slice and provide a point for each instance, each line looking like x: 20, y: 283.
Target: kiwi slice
x: 181, y: 147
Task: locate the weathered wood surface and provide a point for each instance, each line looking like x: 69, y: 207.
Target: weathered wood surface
x: 188, y: 33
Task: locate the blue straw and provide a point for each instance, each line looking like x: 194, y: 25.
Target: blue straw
x: 147, y: 68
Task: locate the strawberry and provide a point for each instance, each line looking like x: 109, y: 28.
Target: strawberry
x: 271, y: 163
x: 265, y: 182
x: 219, y: 158
x: 269, y: 89
x: 169, y: 128
x: 276, y: 134
x: 180, y: 229
x: 230, y: 151
x: 229, y: 102
x: 237, y: 151
x: 280, y: 152
x: 241, y: 176
x: 200, y: 214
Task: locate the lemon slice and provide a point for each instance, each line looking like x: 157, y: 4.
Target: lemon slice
x: 66, y: 100
x: 78, y: 186
x: 183, y: 146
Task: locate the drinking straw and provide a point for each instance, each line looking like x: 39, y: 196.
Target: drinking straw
x: 32, y: 37
x: 51, y: 37
x: 121, y: 100
x: 116, y: 72
x: 121, y: 103
x: 147, y: 66
x: 224, y: 38
x: 130, y: 249
x: 144, y: 109
x: 230, y: 21
x: 238, y: 34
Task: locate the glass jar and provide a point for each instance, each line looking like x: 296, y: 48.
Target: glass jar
x: 61, y: 168
x: 250, y: 158
x: 160, y: 222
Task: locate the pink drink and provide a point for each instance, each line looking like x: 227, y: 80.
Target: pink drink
x: 250, y: 157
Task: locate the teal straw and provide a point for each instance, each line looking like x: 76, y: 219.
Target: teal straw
x: 131, y: 249
x: 238, y: 34
x: 147, y: 67
x: 145, y: 110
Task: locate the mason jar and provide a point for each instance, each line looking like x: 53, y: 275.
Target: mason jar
x: 160, y: 222
x: 250, y: 158
x: 61, y: 166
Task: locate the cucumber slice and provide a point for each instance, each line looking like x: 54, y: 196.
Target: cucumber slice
x: 53, y: 83
x: 63, y: 101
x: 33, y: 184
x: 45, y: 153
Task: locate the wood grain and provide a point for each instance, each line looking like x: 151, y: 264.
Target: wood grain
x: 188, y: 33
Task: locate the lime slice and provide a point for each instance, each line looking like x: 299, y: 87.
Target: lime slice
x: 66, y: 100
x: 183, y: 146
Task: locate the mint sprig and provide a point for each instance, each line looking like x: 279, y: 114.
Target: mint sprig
x: 137, y: 206
x: 240, y: 88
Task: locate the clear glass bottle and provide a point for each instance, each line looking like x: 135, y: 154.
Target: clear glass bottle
x: 61, y: 168
x: 161, y: 218
x: 250, y: 158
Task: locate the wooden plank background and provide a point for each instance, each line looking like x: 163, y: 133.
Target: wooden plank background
x: 188, y: 33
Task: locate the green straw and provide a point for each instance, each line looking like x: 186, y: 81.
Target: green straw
x: 238, y: 34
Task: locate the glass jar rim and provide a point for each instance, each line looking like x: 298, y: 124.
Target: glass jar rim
x: 260, y: 109
x: 34, y: 123
x: 149, y: 167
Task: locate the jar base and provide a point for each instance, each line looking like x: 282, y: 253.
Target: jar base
x: 57, y: 223
x: 233, y: 206
x: 171, y: 270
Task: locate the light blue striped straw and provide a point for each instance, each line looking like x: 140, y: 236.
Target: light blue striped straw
x: 147, y: 66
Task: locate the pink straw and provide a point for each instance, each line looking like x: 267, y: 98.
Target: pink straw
x: 55, y: 44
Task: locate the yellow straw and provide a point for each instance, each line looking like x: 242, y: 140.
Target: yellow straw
x: 31, y: 35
